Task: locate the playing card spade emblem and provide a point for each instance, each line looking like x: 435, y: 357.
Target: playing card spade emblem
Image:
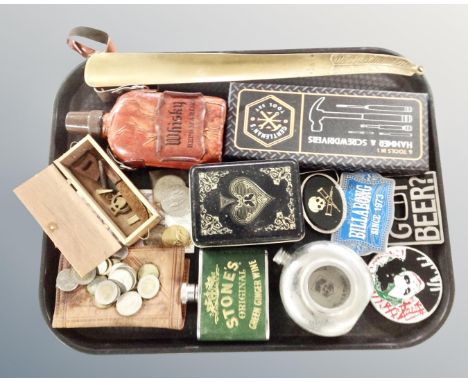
x: 247, y: 202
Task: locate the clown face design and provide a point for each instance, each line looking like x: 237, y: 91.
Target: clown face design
x: 406, y: 285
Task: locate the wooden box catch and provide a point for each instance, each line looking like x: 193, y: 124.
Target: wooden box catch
x: 78, y: 226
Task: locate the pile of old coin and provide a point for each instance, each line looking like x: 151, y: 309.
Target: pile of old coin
x: 114, y: 281
x: 173, y: 194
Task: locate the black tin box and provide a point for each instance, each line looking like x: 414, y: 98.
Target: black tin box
x: 372, y: 331
x: 242, y: 203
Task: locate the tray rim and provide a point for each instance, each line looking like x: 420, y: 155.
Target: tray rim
x: 209, y: 347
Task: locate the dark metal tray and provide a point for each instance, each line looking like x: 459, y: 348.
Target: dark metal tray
x: 372, y: 331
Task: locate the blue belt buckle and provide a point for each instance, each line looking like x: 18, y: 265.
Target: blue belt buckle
x: 370, y: 209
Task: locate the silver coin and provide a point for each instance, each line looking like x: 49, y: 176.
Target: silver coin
x: 133, y: 273
x: 106, y: 292
x: 164, y: 185
x: 121, y: 254
x: 148, y: 286
x: 114, y: 266
x: 148, y: 269
x: 123, y: 288
x: 129, y: 303
x: 124, y: 276
x: 103, y: 267
x: 65, y: 281
x: 176, y: 202
x: 91, y: 287
x: 86, y: 279
x: 110, y: 263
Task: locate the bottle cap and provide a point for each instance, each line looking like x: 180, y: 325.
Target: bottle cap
x: 281, y: 257
x: 84, y: 122
x: 188, y: 293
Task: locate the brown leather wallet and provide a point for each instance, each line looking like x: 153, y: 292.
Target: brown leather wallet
x: 76, y: 309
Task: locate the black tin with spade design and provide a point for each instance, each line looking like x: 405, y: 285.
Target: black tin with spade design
x: 242, y: 203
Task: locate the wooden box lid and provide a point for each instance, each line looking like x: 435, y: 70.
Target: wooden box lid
x: 69, y: 222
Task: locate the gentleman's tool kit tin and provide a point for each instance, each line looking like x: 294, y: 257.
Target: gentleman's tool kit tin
x: 287, y: 200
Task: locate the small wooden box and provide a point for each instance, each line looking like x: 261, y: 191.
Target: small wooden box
x: 78, y: 226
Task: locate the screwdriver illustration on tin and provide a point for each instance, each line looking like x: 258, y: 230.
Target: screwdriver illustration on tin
x: 392, y: 134
x: 385, y: 129
x: 317, y: 115
x: 388, y: 127
x: 384, y: 108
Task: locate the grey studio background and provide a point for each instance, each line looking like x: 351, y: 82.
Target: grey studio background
x: 35, y: 60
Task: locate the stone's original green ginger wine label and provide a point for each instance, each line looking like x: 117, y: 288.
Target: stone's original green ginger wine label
x: 233, y: 295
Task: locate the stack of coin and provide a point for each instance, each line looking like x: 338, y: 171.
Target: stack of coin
x: 86, y: 279
x: 164, y: 185
x: 148, y: 281
x: 104, y: 267
x: 114, y: 282
x: 124, y: 276
x: 173, y: 194
x: 68, y: 279
x: 170, y: 196
x: 91, y: 287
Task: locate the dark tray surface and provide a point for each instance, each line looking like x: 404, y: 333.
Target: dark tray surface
x: 371, y: 331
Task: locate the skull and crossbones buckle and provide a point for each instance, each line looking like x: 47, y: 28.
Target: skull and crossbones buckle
x: 323, y: 202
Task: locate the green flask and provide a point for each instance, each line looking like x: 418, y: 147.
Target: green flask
x: 232, y: 295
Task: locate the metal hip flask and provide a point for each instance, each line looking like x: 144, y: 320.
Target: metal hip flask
x: 232, y: 295
x: 324, y: 287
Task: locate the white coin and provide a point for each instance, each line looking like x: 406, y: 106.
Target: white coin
x: 103, y: 267
x: 114, y: 266
x: 176, y: 201
x: 121, y: 286
x: 148, y: 286
x: 114, y: 261
x: 65, y: 280
x: 148, y: 269
x: 133, y: 273
x: 129, y: 303
x: 164, y: 186
x: 110, y: 263
x: 86, y: 279
x: 124, y: 276
x: 91, y: 287
x: 106, y: 292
